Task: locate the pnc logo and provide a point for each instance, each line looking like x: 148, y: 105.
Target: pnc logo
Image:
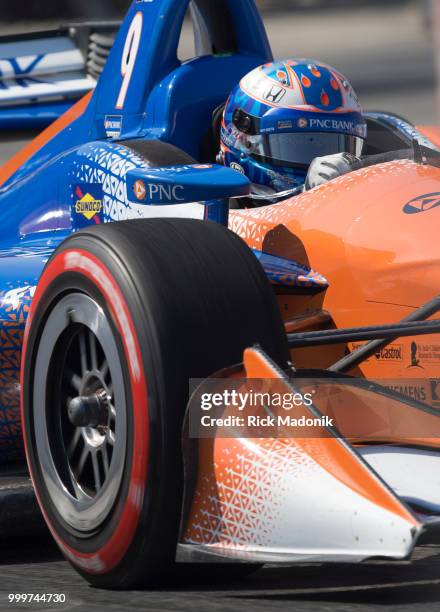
x: 139, y: 190
x: 156, y: 192
x: 332, y: 124
x: 423, y: 203
x: 167, y: 193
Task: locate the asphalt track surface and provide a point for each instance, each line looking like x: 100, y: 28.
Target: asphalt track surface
x: 387, y: 54
x: 36, y: 567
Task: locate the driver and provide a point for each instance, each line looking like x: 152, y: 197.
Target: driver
x: 282, y: 117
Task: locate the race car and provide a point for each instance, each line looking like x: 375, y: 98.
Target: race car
x: 129, y: 287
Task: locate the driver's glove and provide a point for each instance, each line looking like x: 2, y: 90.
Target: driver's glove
x: 324, y: 169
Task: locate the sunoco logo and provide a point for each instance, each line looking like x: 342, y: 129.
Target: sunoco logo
x: 88, y: 206
x: 422, y: 203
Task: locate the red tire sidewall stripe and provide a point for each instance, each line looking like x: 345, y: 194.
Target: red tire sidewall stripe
x: 112, y: 552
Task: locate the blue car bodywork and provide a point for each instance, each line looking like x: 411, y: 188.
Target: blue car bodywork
x: 80, y: 171
x: 165, y: 100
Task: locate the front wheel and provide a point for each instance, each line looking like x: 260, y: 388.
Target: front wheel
x: 124, y: 315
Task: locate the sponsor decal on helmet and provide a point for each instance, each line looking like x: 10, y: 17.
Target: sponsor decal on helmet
x: 285, y: 125
x: 423, y: 203
x: 302, y: 123
x: 89, y: 200
x: 275, y: 94
x: 333, y: 124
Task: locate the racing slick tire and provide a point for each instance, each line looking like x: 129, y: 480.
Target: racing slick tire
x: 124, y: 315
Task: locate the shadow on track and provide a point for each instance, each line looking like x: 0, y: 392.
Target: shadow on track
x: 375, y: 584
x: 331, y: 587
x: 343, y: 585
x: 24, y: 551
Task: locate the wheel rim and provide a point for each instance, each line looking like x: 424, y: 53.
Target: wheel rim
x: 78, y: 359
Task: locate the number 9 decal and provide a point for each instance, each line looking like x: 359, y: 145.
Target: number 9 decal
x: 129, y: 56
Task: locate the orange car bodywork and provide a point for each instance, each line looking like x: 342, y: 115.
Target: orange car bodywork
x: 381, y: 262
x: 236, y: 477
x: 375, y: 237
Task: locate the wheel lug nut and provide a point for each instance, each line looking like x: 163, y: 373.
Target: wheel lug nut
x: 89, y: 411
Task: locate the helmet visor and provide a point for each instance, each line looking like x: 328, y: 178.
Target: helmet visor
x: 300, y: 149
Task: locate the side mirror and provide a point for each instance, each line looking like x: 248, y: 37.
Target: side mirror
x: 207, y: 185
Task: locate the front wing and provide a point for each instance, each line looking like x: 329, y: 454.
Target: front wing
x: 304, y: 499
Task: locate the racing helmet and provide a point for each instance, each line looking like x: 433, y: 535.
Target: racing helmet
x: 283, y: 115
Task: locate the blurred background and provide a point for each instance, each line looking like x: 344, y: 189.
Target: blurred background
x: 385, y: 47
